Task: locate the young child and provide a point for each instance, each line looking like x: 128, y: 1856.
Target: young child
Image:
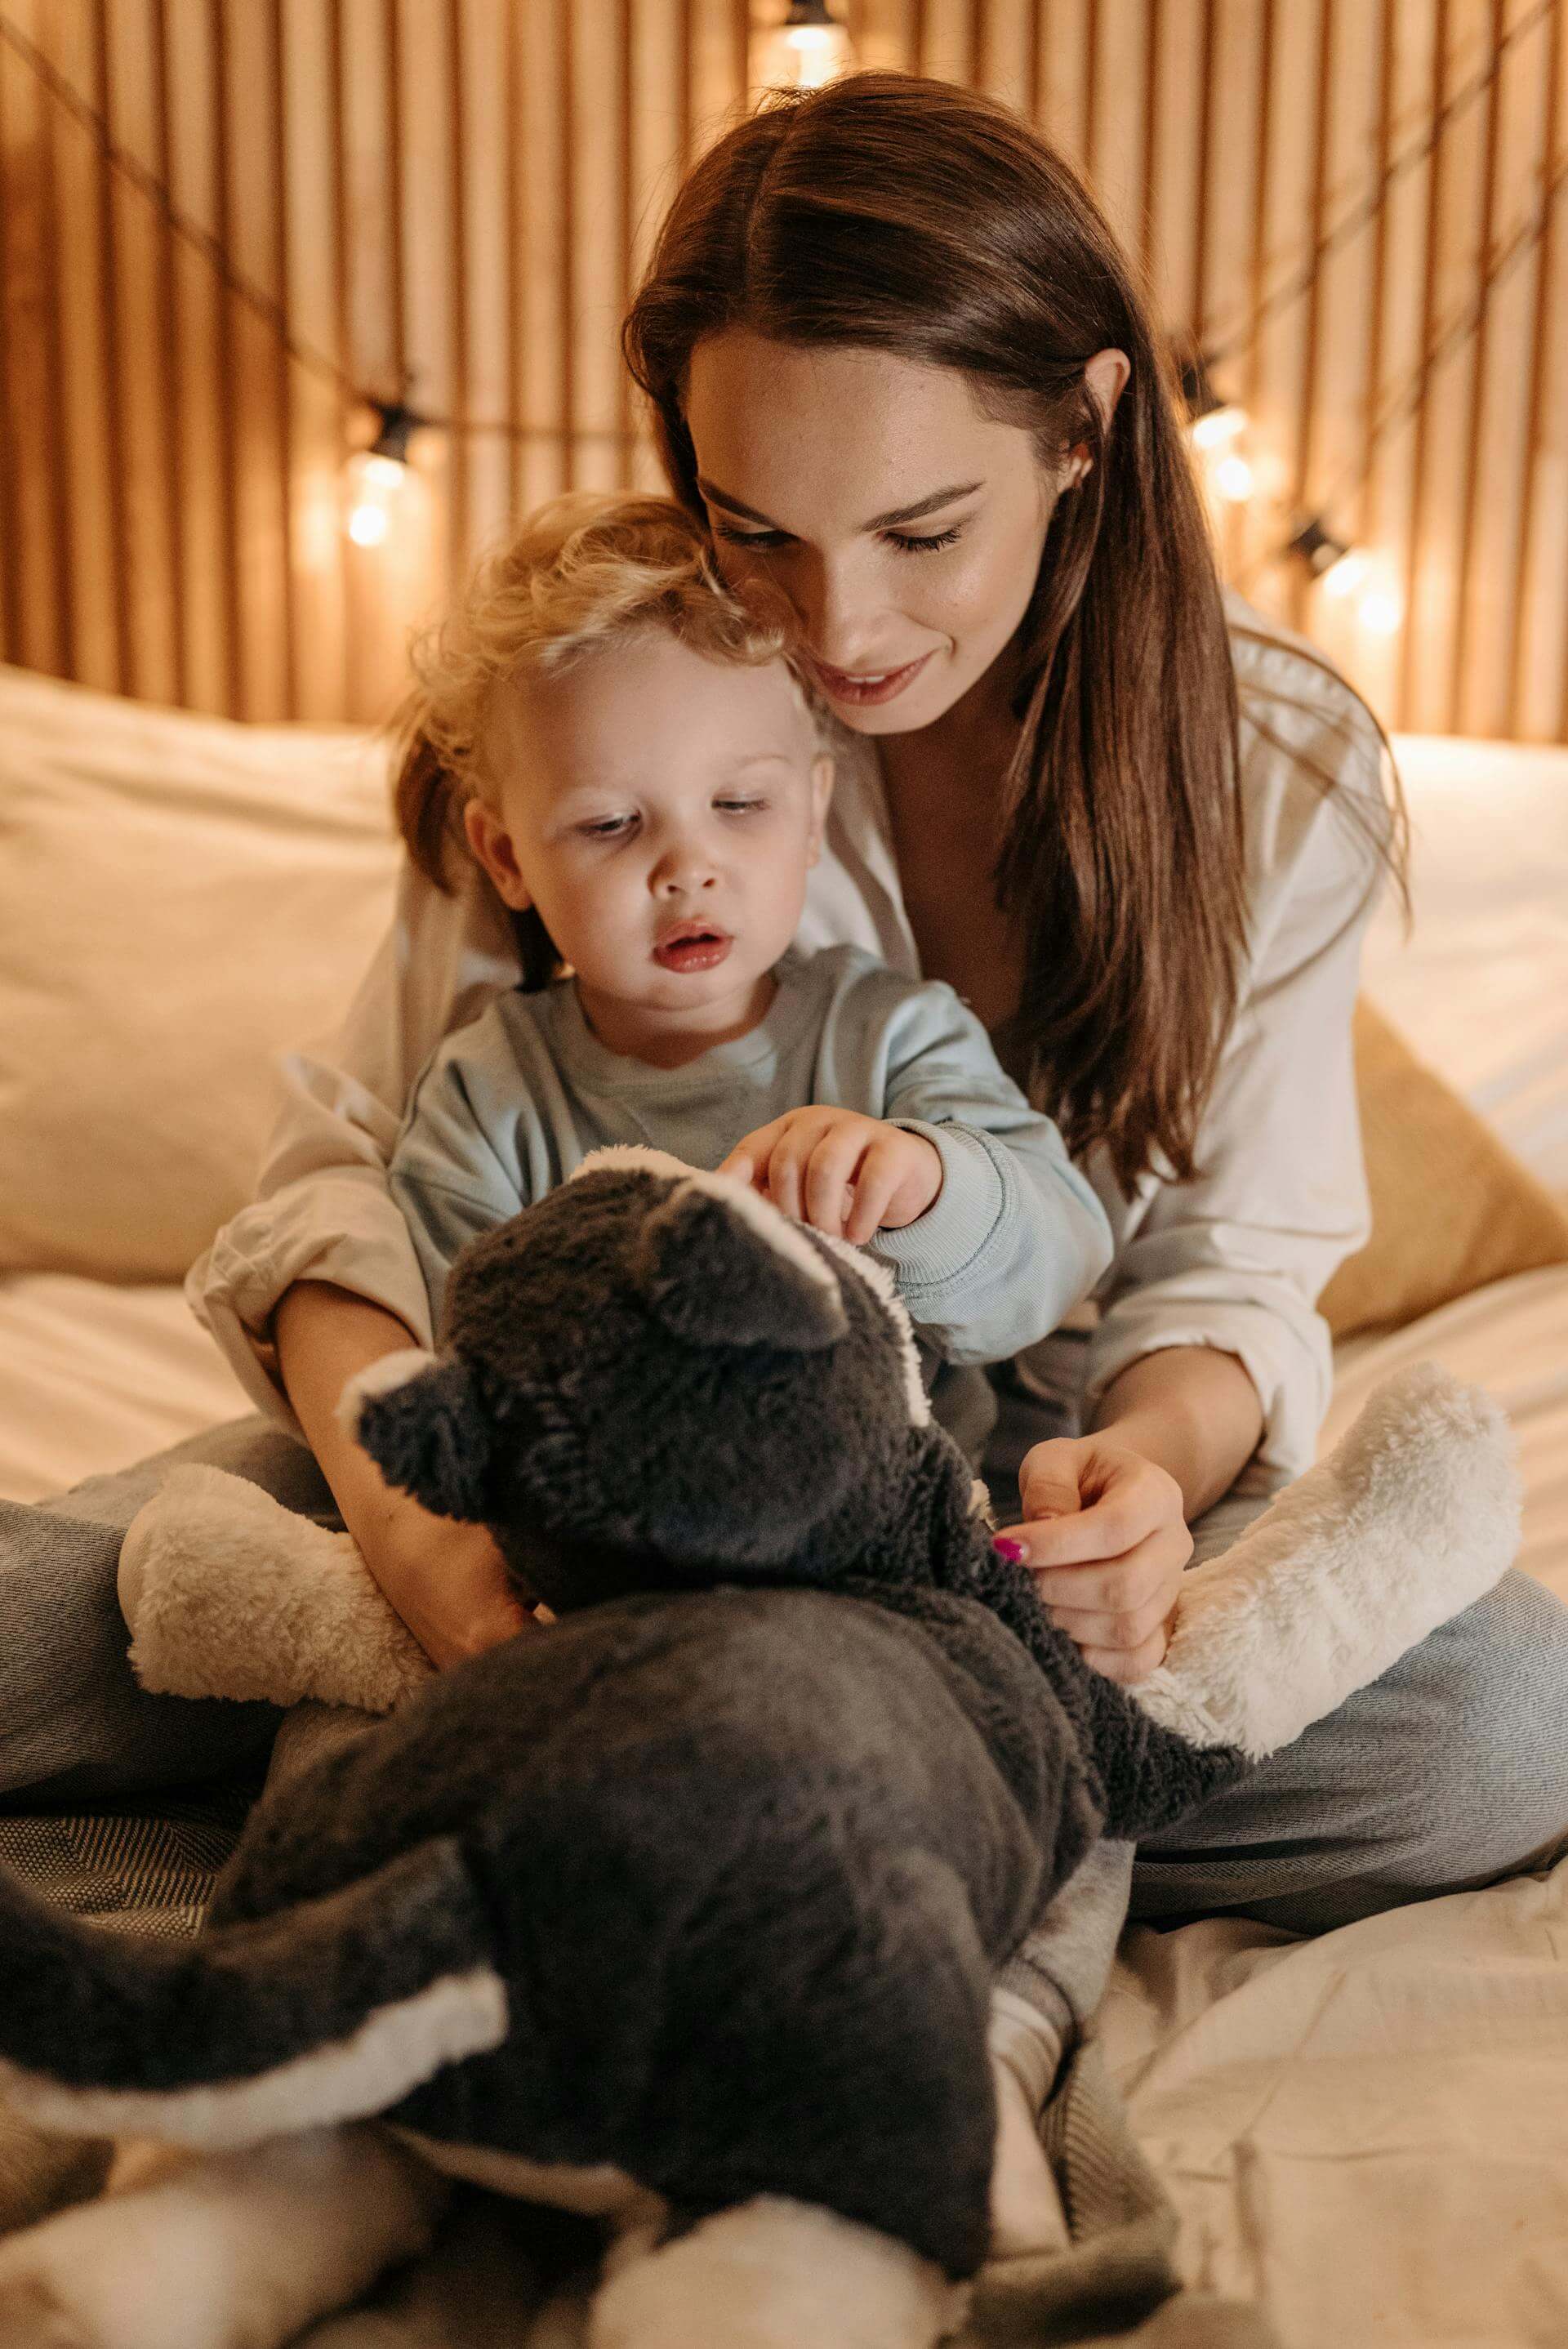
x: 645, y: 783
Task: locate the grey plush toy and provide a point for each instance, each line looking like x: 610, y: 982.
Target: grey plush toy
x: 687, y: 1911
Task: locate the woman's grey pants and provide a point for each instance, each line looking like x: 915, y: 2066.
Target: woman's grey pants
x: 1449, y: 1770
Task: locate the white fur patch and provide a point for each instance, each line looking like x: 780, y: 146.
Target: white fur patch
x: 379, y: 1378
x: 776, y: 2275
x: 880, y: 1282
x: 227, y: 1593
x: 197, y: 2251
x: 781, y: 1235
x: 1412, y: 1518
x: 390, y: 2052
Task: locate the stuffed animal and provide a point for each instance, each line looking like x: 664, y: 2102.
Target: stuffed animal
x: 684, y: 1911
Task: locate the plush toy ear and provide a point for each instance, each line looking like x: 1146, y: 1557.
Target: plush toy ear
x: 424, y: 1423
x: 719, y: 1266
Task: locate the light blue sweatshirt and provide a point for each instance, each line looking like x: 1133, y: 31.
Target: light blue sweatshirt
x: 509, y: 1106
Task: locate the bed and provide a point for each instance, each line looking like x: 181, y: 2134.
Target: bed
x: 1368, y: 2133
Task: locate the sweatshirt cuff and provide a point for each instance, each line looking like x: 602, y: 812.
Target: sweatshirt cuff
x: 956, y: 1228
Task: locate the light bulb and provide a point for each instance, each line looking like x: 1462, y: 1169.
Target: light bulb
x: 1220, y: 426
x: 1343, y: 577
x: 1381, y: 610
x: 1234, y: 479
x: 375, y: 484
x: 809, y: 49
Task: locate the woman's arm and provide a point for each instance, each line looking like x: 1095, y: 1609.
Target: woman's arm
x: 445, y: 1580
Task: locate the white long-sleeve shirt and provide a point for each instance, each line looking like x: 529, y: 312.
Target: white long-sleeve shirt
x: 1235, y: 1260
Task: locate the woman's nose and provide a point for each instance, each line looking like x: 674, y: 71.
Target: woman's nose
x: 832, y: 609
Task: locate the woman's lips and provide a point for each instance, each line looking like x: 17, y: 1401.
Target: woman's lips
x: 694, y: 948
x: 859, y: 692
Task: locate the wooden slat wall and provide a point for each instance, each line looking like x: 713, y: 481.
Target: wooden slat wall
x: 463, y: 191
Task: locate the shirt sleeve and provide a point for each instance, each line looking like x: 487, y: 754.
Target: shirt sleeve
x: 1015, y: 1235
x: 323, y: 1209
x: 1237, y: 1257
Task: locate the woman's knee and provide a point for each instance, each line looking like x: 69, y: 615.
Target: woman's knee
x: 1495, y: 1759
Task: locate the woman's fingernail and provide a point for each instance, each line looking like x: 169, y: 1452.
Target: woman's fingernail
x: 1009, y: 1549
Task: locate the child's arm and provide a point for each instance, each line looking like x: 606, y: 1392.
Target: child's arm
x: 1005, y: 1235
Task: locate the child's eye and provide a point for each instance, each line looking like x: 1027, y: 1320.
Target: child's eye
x: 740, y: 807
x: 608, y: 827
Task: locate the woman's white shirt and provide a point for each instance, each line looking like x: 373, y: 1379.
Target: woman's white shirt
x: 1236, y: 1258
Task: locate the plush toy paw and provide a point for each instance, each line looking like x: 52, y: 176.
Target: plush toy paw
x: 226, y: 1593
x: 1412, y: 1518
x: 775, y: 2274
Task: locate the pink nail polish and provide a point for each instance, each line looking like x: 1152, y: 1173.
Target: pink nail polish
x: 1010, y: 1549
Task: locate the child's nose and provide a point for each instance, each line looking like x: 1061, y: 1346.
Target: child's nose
x: 686, y: 865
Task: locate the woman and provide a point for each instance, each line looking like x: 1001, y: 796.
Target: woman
x: 898, y: 363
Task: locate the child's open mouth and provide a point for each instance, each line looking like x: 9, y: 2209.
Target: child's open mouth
x: 693, y: 945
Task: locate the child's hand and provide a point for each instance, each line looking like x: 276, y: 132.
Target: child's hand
x: 848, y: 1175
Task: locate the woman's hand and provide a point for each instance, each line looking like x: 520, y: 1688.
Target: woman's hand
x: 448, y: 1581
x: 845, y: 1175
x: 1105, y: 1536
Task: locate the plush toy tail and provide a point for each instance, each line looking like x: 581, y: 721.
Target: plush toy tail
x: 1411, y: 1519
x: 329, y: 2012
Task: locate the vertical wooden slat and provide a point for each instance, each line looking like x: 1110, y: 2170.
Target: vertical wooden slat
x: 468, y: 189
x: 39, y: 535
x: 1542, y: 519
x: 1471, y: 479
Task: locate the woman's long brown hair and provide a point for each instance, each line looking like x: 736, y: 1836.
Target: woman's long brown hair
x: 894, y: 214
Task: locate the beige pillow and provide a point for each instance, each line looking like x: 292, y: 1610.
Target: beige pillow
x: 1451, y: 1208
x: 180, y: 898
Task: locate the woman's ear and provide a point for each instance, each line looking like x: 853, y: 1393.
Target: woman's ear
x: 821, y: 794
x: 491, y: 841
x: 1107, y: 374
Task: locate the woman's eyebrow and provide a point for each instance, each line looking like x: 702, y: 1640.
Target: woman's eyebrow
x: 915, y: 513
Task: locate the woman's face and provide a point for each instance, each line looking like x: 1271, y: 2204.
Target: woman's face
x: 903, y: 524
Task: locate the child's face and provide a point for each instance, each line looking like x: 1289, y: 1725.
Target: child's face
x: 661, y: 811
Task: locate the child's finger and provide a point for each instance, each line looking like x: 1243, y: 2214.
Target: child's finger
x: 876, y: 1182
x: 830, y: 1178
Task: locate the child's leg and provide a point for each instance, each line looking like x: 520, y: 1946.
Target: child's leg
x: 74, y: 1725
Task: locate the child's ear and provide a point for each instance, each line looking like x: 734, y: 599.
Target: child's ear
x: 821, y: 793
x: 491, y: 841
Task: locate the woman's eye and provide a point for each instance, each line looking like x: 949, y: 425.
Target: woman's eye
x: 925, y: 545
x: 748, y: 537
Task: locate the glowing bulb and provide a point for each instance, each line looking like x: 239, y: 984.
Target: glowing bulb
x: 808, y: 50
x: 376, y: 483
x: 1382, y: 608
x: 1219, y: 426
x: 1343, y: 577
x: 1234, y: 479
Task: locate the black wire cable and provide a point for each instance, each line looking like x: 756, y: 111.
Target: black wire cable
x: 1459, y: 330
x: 1360, y: 216
x: 305, y: 354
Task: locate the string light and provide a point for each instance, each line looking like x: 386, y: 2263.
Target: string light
x: 377, y: 476
x: 807, y: 51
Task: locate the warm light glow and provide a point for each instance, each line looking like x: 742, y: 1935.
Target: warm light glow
x: 1234, y: 479
x: 1343, y: 578
x: 376, y: 485
x: 1382, y: 610
x: 1220, y: 426
x: 802, y: 57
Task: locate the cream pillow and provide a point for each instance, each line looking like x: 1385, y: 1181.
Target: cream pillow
x: 1452, y: 1209
x: 181, y: 897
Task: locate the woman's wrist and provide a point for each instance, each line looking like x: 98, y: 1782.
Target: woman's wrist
x: 1191, y: 1409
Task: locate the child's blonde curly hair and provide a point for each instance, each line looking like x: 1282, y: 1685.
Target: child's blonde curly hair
x: 581, y: 572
